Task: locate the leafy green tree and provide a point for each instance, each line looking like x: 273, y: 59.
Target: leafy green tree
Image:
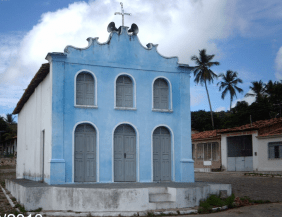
x: 258, y: 90
x: 203, y: 73
x: 229, y: 84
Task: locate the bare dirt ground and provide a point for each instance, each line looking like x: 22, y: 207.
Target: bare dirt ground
x: 6, y: 172
x: 257, y: 188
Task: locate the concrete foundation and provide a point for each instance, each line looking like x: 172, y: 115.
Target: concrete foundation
x: 114, y: 197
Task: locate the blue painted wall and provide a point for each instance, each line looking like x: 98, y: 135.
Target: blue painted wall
x: 123, y: 53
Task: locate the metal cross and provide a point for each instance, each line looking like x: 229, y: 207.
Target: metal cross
x: 122, y: 13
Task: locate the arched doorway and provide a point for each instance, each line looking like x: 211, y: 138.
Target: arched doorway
x: 161, y: 154
x: 124, y: 154
x: 85, y: 153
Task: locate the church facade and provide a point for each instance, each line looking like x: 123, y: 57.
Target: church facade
x: 111, y: 112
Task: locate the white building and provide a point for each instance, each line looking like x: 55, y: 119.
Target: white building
x: 253, y: 147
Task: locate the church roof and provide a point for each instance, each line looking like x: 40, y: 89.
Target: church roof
x: 39, y: 76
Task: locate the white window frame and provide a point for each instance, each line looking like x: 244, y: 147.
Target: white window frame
x: 278, y: 143
x: 133, y: 88
x: 95, y: 90
x: 169, y: 96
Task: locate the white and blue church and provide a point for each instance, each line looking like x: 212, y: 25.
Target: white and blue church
x: 111, y: 112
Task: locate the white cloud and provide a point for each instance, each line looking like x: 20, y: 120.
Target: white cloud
x: 278, y: 62
x: 249, y: 99
x: 220, y: 109
x: 180, y: 27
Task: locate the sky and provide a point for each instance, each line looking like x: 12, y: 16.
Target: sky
x: 244, y: 36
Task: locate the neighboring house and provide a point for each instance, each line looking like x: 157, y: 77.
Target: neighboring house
x: 110, y: 112
x: 253, y: 147
x: 9, y: 147
x: 206, y: 151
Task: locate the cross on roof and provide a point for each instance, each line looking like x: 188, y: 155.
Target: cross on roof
x: 122, y: 13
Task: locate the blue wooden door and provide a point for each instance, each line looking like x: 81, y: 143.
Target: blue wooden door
x: 85, y: 153
x: 124, y: 154
x: 161, y: 154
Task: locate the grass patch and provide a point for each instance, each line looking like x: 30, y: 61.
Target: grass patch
x: 21, y: 208
x: 36, y: 210
x: 3, y: 184
x: 215, y: 201
x: 151, y: 214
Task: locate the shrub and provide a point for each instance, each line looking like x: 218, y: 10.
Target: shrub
x: 229, y: 201
x: 214, y: 200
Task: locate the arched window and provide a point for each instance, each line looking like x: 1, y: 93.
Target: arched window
x: 124, y: 91
x: 85, y: 89
x: 161, y: 94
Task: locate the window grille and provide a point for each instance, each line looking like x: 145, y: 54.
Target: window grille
x: 274, y: 150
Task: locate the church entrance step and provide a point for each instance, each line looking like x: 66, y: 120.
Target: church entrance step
x: 162, y: 197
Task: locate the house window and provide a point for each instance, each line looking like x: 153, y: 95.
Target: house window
x: 200, y: 151
x: 161, y: 94
x: 124, y: 92
x: 208, y: 151
x: 274, y: 150
x: 215, y: 151
x: 85, y: 89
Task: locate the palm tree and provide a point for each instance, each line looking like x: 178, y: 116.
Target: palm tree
x: 258, y: 89
x: 230, y: 80
x: 9, y: 119
x: 203, y: 73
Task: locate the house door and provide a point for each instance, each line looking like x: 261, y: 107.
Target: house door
x: 124, y: 154
x: 161, y: 154
x: 85, y: 153
x: 240, y: 154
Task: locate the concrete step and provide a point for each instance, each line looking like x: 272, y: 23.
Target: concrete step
x: 158, y: 190
x: 165, y: 205
x: 162, y: 197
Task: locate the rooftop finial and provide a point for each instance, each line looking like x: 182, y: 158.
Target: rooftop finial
x: 122, y: 13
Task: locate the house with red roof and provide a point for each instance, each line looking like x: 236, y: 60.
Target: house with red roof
x: 206, y: 151
x: 253, y: 147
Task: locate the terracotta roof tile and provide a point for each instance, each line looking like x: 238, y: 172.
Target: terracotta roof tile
x: 255, y: 125
x: 211, y: 134
x: 275, y: 132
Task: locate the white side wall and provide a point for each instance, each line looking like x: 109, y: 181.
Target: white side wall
x: 265, y: 164
x: 35, y: 117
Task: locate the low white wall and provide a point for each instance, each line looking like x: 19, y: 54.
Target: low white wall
x: 107, y: 199
x: 264, y: 163
x: 34, y: 117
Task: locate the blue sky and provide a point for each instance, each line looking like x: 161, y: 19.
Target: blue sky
x: 245, y: 36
